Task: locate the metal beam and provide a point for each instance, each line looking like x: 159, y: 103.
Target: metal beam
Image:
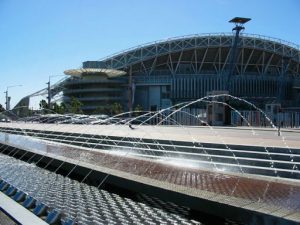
x: 248, y: 61
x: 203, y: 59
x: 268, y: 63
x: 178, y: 62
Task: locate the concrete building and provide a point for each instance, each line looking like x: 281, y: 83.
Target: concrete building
x: 163, y: 73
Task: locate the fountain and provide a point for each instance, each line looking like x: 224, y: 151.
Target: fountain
x: 200, y: 163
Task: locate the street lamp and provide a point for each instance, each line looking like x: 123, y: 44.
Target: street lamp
x: 7, y: 98
x: 49, y: 89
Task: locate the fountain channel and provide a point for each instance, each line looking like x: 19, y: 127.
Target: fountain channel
x: 216, y: 170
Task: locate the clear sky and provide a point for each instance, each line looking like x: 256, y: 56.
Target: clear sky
x: 42, y: 38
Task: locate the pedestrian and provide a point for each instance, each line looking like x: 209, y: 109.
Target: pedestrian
x: 130, y: 126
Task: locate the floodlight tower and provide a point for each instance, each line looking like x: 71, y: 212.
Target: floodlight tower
x: 239, y: 22
x: 8, y: 98
x: 49, y: 94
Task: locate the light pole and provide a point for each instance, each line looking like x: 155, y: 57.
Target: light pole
x: 49, y: 89
x: 239, y: 26
x: 7, y: 98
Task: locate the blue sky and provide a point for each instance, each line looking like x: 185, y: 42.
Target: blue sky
x: 42, y: 38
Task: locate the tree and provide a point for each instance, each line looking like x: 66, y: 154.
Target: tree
x: 58, y: 108
x: 116, y: 108
x: 138, y: 110
x: 23, y: 111
x: 102, y: 110
x: 1, y: 108
x: 44, y: 106
x: 75, y: 106
x: 63, y: 108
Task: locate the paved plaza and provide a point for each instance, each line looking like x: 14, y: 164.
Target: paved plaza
x: 263, y: 137
x: 267, y: 195
x: 272, y: 196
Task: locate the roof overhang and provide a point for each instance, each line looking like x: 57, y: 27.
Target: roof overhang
x: 100, y: 71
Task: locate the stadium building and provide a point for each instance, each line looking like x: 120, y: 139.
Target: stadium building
x: 157, y: 75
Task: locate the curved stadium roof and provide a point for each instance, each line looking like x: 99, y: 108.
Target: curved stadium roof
x: 148, y: 51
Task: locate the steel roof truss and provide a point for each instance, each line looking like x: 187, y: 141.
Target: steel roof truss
x: 269, y: 46
x: 249, y: 42
x: 226, y: 60
x: 266, y: 66
x: 237, y: 69
x: 242, y: 60
x: 215, y: 60
x: 192, y: 62
x: 219, y: 59
x: 203, y: 60
x: 178, y: 62
x: 148, y: 51
x: 131, y: 57
x: 286, y: 51
x: 214, y: 41
x: 225, y: 41
x: 259, y: 44
x: 176, y: 46
x: 202, y: 42
x: 196, y: 61
x: 188, y: 43
x: 144, y: 67
x: 247, y: 63
x: 163, y: 48
x: 278, y: 48
x: 170, y: 64
x: 153, y: 65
